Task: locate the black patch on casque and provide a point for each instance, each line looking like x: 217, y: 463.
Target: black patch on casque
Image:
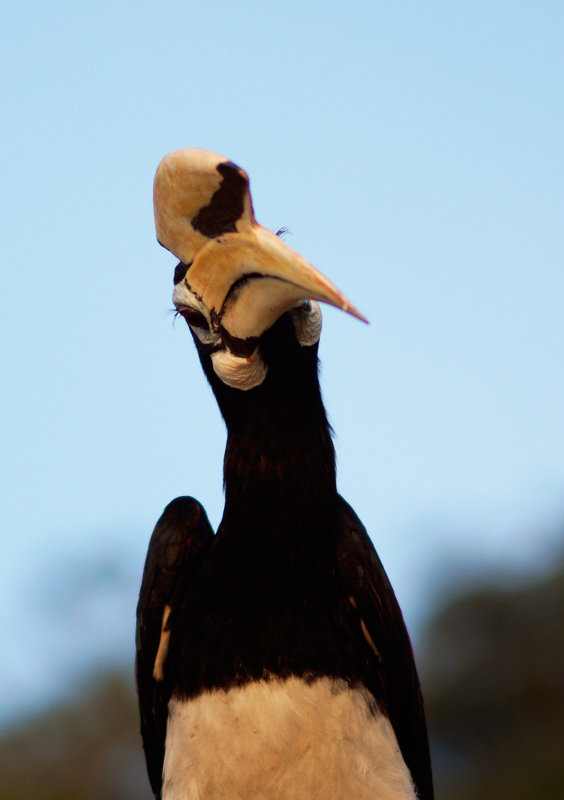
x: 180, y: 271
x: 226, y: 205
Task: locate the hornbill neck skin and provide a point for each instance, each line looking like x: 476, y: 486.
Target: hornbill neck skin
x: 279, y: 450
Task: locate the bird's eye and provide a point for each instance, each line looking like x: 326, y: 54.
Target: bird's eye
x: 193, y: 317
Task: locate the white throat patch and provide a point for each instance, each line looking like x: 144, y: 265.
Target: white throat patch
x: 283, y: 740
x: 244, y: 373
x: 239, y: 373
x: 307, y: 321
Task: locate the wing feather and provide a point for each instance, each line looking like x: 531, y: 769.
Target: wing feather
x: 180, y: 542
x: 391, y: 674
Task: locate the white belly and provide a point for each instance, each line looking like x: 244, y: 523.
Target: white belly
x: 283, y: 740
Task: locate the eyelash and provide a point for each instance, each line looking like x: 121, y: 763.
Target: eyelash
x: 192, y: 317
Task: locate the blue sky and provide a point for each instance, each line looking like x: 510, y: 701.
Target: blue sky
x: 414, y: 150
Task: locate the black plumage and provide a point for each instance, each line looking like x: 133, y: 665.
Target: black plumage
x: 179, y: 544
x: 290, y: 585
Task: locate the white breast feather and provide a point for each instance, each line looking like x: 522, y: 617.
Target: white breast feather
x: 283, y: 740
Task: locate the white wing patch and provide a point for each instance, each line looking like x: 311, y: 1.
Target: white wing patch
x: 283, y: 740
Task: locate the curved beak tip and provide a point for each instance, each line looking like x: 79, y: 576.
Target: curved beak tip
x: 346, y: 306
x: 350, y: 309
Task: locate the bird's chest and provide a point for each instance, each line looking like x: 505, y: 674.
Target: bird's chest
x: 282, y: 740
x: 242, y: 624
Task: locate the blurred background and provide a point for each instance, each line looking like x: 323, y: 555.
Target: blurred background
x: 414, y: 151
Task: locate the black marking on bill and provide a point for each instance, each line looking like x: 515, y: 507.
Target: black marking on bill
x: 226, y: 205
x: 243, y: 348
x: 238, y: 346
x: 180, y: 271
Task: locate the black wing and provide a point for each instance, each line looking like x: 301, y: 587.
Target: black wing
x: 179, y: 543
x: 392, y: 675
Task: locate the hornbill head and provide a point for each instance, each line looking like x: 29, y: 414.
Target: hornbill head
x: 235, y: 278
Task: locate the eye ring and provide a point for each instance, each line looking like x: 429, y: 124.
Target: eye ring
x: 193, y: 317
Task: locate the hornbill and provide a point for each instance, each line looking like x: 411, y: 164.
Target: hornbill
x: 272, y: 658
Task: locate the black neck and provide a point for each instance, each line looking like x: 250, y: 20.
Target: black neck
x: 279, y: 455
x: 266, y: 601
